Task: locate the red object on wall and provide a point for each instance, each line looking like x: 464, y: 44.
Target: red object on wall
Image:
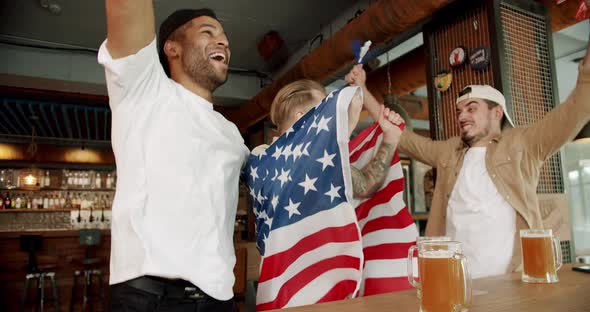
x: 270, y: 44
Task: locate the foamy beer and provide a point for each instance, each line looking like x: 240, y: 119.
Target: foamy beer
x: 412, y: 253
x: 445, y: 283
x: 541, y: 256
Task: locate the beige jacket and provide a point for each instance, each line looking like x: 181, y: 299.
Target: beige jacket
x: 513, y: 160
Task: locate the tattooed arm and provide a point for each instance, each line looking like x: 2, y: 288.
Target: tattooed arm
x: 366, y: 181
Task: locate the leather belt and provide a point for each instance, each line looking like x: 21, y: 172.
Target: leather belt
x: 177, y: 289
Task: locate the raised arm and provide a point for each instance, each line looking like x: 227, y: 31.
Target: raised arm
x: 563, y: 123
x: 366, y: 181
x: 414, y: 145
x: 130, y: 26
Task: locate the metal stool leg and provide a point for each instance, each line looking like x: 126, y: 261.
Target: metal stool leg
x: 73, y: 298
x: 101, y: 289
x: 38, y: 291
x: 89, y: 294
x: 54, y: 290
x: 42, y: 288
x: 25, y: 292
x: 85, y: 301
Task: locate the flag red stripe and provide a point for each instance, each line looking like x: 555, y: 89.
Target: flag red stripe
x: 382, y: 196
x: 278, y: 263
x: 375, y: 286
x: 297, y: 282
x: 387, y: 251
x: 367, y: 145
x: 354, y: 143
x: 339, y: 291
x: 400, y: 221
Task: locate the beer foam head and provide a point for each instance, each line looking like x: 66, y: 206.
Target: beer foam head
x: 536, y: 235
x: 437, y: 254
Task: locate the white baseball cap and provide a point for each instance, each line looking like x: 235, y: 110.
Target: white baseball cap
x: 485, y: 92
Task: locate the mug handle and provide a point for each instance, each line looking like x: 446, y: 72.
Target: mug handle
x: 411, y: 278
x: 558, y: 253
x: 466, y: 280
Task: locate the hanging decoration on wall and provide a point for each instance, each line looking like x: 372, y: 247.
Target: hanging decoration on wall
x: 480, y: 58
x: 443, y: 80
x: 458, y: 56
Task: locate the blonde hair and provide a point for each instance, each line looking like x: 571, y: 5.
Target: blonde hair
x: 292, y: 97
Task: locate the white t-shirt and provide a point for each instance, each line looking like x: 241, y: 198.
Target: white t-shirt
x: 178, y: 164
x: 480, y: 218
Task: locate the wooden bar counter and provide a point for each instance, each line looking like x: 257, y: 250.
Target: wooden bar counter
x: 498, y: 294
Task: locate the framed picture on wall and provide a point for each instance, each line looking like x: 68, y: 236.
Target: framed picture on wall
x: 408, y: 185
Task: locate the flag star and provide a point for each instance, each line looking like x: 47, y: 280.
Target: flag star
x: 333, y: 193
x: 260, y: 198
x: 308, y: 184
x: 263, y: 215
x: 268, y: 221
x: 330, y: 95
x: 297, y: 151
x: 253, y: 193
x: 289, y: 131
x: 274, y: 202
x: 313, y: 124
x: 277, y: 153
x: 287, y: 152
x: 305, y: 151
x: 326, y: 160
x: 323, y: 124
x: 292, y: 208
x: 263, y: 153
x: 284, y: 177
x: 254, y: 173
x: 265, y: 239
x: 275, y: 176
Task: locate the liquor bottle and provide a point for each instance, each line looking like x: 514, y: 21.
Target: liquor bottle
x: 51, y: 203
x: 7, y: 201
x: 45, y: 202
x: 97, y: 181
x: 47, y: 182
x: 18, y: 202
x: 109, y: 181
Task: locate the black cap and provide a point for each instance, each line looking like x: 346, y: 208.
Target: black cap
x: 172, y: 23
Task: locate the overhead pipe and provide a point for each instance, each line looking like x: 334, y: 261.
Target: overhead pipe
x: 382, y: 21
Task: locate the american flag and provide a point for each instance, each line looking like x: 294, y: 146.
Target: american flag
x: 387, y: 227
x: 308, y: 232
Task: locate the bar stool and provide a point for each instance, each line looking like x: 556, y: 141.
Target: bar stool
x: 38, y: 273
x: 90, y: 268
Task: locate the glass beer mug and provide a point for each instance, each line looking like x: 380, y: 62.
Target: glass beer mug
x: 445, y: 283
x: 541, y: 256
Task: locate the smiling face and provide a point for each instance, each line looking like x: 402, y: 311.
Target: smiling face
x: 204, y: 52
x: 478, y: 121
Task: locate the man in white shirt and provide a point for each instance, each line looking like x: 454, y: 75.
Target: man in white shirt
x: 487, y: 177
x: 178, y: 161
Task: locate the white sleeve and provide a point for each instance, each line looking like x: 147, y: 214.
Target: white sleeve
x: 136, y: 79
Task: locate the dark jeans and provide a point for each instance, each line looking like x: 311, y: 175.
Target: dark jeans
x: 127, y: 298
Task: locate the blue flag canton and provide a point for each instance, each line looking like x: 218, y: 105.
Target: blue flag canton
x: 299, y: 175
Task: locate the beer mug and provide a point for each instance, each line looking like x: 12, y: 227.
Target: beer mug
x: 541, y: 256
x: 445, y: 282
x: 411, y: 253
